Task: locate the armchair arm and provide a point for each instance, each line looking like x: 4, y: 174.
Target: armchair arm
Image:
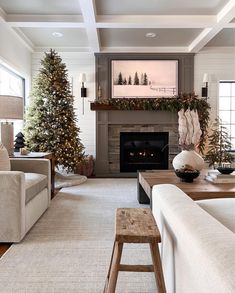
x: 12, y: 206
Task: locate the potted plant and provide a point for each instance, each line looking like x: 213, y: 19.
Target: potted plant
x: 219, y: 147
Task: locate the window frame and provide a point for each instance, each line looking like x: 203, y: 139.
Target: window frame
x: 231, y: 96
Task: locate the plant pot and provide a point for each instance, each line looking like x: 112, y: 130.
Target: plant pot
x: 191, y: 158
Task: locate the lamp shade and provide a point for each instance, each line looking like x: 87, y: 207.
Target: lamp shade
x: 82, y: 77
x: 11, y: 107
x: 205, y: 77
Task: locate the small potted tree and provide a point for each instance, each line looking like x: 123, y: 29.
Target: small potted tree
x: 219, y: 147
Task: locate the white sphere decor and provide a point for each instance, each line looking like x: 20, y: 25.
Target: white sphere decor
x: 191, y: 158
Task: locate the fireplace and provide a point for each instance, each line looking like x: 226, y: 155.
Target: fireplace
x: 143, y: 150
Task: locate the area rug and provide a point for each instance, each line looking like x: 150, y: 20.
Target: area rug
x: 69, y: 248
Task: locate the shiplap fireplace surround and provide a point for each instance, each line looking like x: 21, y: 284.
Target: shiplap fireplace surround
x: 109, y: 123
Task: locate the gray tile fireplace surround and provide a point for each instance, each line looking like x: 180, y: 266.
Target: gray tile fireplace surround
x: 109, y: 124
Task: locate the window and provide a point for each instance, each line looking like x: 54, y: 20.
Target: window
x: 10, y: 82
x: 14, y: 85
x: 227, y: 107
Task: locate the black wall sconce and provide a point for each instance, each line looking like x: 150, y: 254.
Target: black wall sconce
x: 205, y: 87
x: 82, y: 80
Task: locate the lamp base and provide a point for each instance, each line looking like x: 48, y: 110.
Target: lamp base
x: 7, y: 137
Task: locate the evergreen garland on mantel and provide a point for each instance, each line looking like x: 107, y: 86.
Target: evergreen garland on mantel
x: 173, y: 104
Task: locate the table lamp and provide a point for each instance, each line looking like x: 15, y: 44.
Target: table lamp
x: 11, y: 108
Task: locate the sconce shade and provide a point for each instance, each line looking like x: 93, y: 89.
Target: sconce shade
x: 205, y: 77
x: 11, y: 107
x: 82, y: 77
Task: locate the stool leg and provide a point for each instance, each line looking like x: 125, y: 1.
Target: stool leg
x: 157, y: 268
x: 114, y: 267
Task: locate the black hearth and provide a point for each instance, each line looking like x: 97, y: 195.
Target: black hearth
x: 143, y: 151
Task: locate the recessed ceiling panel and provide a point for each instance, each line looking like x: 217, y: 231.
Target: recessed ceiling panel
x: 41, y: 6
x: 155, y: 7
x: 137, y: 38
x: 43, y: 37
x: 225, y: 38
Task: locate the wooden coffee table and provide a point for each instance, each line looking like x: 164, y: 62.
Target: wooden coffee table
x: 198, y: 189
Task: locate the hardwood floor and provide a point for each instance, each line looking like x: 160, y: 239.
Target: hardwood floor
x: 4, y: 247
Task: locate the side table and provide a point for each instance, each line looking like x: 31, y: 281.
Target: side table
x: 41, y: 155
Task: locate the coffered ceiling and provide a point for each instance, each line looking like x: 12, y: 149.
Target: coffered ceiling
x: 110, y: 25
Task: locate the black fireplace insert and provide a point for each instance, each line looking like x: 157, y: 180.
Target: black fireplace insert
x: 143, y: 151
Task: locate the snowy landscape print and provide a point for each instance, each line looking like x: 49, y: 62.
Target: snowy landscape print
x: 144, y: 78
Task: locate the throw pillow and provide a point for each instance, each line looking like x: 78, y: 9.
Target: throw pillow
x: 5, y: 164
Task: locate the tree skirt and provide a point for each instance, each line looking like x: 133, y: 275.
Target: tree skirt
x: 67, y: 180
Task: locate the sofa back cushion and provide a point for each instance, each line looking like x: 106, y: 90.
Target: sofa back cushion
x: 223, y: 209
x: 5, y: 164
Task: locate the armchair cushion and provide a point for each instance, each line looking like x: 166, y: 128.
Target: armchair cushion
x: 34, y: 183
x: 5, y: 164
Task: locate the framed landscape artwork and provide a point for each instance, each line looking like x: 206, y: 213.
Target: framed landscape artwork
x: 144, y: 78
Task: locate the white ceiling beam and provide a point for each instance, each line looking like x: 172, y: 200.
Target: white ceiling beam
x: 230, y: 25
x: 32, y: 20
x: 63, y: 49
x: 23, y: 38
x: 224, y: 17
x: 146, y: 49
x: 89, y: 17
x: 155, y: 21
x: 20, y: 36
x: 3, y: 15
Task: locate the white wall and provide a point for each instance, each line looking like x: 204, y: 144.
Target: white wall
x: 14, y: 53
x: 17, y: 57
x: 77, y: 63
x: 219, y: 63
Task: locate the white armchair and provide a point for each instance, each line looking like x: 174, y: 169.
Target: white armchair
x: 25, y: 194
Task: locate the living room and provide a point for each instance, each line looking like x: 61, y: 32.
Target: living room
x: 70, y: 245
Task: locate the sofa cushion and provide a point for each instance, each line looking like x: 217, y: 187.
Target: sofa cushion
x: 34, y: 183
x: 5, y: 164
x: 223, y: 209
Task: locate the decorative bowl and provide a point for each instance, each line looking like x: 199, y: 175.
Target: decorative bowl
x: 187, y: 176
x: 225, y: 170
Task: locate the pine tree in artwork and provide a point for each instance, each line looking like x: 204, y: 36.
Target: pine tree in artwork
x: 50, y: 118
x: 145, y: 79
x: 120, y: 79
x: 136, y: 79
x: 129, y: 80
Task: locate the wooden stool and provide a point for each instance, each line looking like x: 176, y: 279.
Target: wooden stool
x: 135, y: 226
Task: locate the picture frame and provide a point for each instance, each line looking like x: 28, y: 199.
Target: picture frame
x: 144, y: 78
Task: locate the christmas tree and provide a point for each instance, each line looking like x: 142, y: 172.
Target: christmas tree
x: 19, y: 142
x: 50, y: 118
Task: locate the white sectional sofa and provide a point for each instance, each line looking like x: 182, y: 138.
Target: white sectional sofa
x: 198, y: 241
x: 25, y: 194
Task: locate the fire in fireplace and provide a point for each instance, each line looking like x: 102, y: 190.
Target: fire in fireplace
x: 143, y: 150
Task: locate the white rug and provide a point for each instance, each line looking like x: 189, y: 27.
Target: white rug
x: 68, y: 180
x: 69, y: 248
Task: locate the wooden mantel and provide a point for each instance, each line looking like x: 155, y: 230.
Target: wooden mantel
x: 101, y: 107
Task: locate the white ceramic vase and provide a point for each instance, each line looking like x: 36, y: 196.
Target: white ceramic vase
x: 191, y: 158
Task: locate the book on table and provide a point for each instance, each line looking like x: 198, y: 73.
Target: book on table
x: 216, y: 177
